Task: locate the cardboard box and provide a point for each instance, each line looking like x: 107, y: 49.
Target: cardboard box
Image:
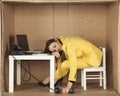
x: 95, y: 20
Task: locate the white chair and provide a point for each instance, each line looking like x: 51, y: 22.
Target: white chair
x: 101, y: 70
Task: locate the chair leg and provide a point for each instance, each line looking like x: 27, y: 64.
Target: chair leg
x: 104, y: 79
x: 101, y: 79
x: 84, y: 80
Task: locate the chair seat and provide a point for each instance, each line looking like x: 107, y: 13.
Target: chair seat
x: 94, y: 69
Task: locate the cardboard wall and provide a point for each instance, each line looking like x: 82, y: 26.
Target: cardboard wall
x: 94, y: 22
x: 61, y: 1
x: 36, y: 21
x: 112, y: 45
x: 119, y: 49
x: 0, y: 54
x: 7, y: 39
x: 41, y: 22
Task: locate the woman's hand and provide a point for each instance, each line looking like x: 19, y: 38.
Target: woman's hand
x: 56, y: 54
x: 66, y: 89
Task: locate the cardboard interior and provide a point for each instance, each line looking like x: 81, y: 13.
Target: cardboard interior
x: 96, y: 22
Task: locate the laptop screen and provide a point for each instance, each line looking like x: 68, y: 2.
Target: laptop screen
x: 22, y: 41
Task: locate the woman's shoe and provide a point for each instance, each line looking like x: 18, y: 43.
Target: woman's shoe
x: 43, y: 85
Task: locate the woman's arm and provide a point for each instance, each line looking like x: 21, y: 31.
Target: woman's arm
x: 56, y: 54
x: 67, y: 88
x: 73, y: 63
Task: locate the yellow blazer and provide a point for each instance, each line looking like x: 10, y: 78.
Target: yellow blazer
x: 76, y: 48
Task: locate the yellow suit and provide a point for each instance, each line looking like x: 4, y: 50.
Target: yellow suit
x: 80, y: 54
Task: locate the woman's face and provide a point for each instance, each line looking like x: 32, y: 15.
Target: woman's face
x: 55, y: 47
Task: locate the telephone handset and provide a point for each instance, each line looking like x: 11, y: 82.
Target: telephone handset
x: 17, y: 50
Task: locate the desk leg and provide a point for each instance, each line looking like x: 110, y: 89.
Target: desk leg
x: 11, y: 74
x: 18, y: 72
x: 52, y: 71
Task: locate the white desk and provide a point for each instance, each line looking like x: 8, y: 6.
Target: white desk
x: 29, y: 57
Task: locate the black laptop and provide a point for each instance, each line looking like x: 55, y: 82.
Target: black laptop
x: 23, y: 43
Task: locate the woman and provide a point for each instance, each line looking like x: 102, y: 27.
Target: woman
x: 78, y: 53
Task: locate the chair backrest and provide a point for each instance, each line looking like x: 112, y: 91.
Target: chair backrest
x: 103, y: 63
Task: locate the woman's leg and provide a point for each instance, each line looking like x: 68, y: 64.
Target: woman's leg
x: 46, y: 80
x: 82, y: 64
x: 62, y: 70
x: 59, y: 73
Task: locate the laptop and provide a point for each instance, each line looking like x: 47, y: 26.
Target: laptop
x: 23, y: 43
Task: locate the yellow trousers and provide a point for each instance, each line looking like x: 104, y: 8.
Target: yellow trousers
x: 64, y: 67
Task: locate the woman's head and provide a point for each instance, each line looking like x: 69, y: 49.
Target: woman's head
x: 53, y: 45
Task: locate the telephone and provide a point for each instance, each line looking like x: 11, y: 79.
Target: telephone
x: 17, y: 50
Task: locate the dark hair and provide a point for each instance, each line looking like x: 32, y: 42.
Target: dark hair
x: 47, y: 45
